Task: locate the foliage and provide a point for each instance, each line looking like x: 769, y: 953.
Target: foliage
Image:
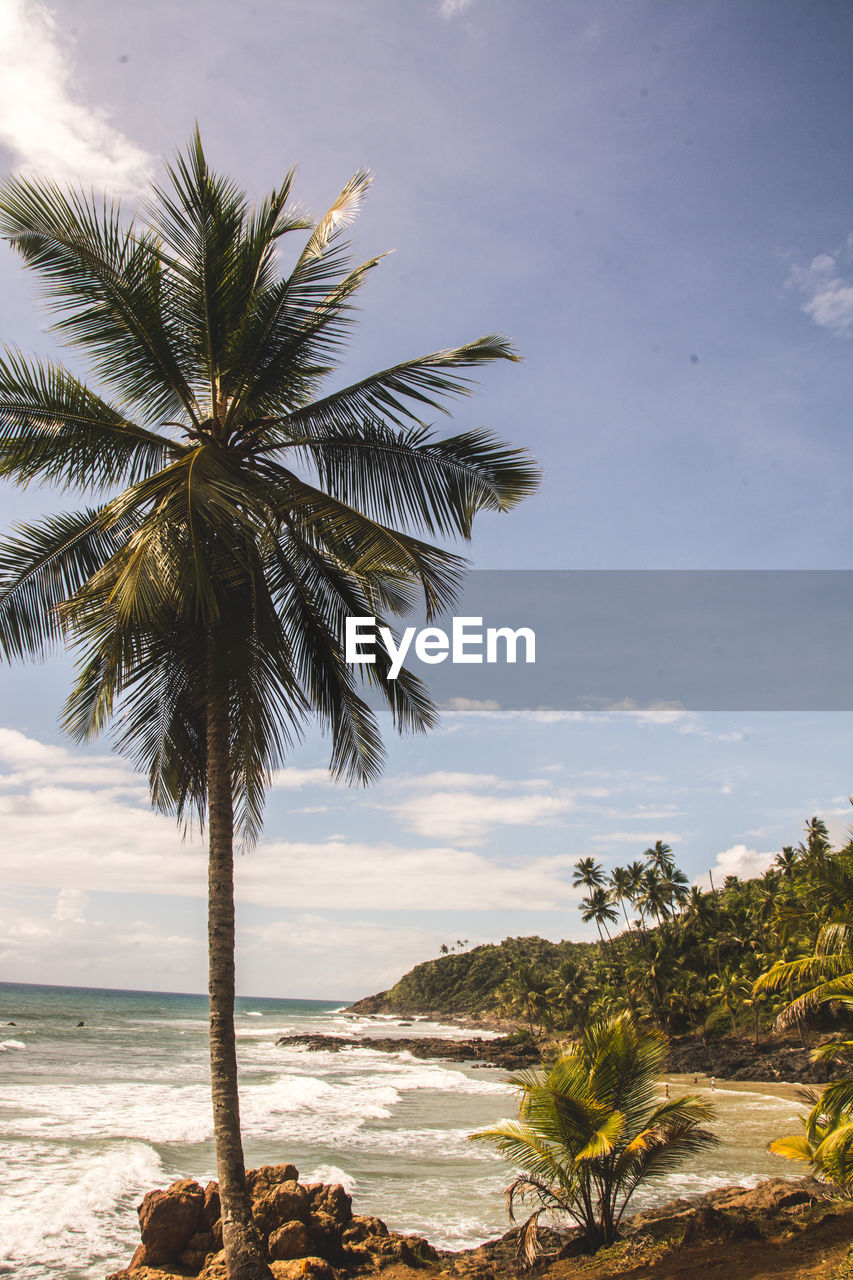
x: 826, y: 1144
x: 690, y: 960
x: 592, y: 1128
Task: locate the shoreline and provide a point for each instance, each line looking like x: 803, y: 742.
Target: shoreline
x: 728, y: 1058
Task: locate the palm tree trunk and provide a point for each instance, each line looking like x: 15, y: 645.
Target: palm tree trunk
x: 244, y: 1258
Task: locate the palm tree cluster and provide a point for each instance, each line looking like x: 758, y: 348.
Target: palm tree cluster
x: 239, y: 513
x: 735, y: 958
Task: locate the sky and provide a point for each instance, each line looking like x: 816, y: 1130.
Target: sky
x: 654, y: 202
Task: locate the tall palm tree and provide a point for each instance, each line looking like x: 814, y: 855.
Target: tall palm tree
x: 621, y: 888
x: 598, y: 907
x: 588, y: 873
x: 660, y: 856
x: 243, y: 516
x: 591, y: 1129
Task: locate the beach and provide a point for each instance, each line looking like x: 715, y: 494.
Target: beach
x: 92, y: 1117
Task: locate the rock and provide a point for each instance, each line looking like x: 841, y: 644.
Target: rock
x: 363, y: 1225
x: 327, y: 1234
x: 501, y: 1052
x: 198, y: 1247
x: 286, y: 1202
x: 214, y: 1268
x: 293, y: 1240
x: 303, y: 1269
x: 260, y: 1181
x: 330, y: 1199
x: 769, y: 1197
x: 168, y: 1219
x: 212, y: 1211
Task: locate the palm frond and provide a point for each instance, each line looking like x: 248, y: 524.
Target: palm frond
x: 42, y: 566
x: 106, y: 284
x: 54, y: 428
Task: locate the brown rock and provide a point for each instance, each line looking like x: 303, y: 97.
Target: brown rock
x: 214, y: 1268
x: 152, y: 1273
x: 293, y: 1240
x: 363, y: 1225
x: 327, y: 1233
x: 769, y: 1197
x: 167, y: 1220
x: 332, y: 1199
x: 284, y: 1202
x: 303, y: 1269
x: 212, y: 1208
x: 261, y: 1181
x: 198, y: 1247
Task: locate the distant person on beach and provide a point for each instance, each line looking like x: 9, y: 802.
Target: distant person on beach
x: 666, y: 1091
x: 713, y: 1083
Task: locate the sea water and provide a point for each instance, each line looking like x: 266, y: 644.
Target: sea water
x: 93, y: 1116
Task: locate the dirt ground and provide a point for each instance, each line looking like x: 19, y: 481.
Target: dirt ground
x: 809, y: 1251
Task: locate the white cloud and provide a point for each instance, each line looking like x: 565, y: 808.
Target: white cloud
x: 463, y: 807
x: 38, y: 947
x: 328, y: 958
x: 71, y: 905
x: 449, y: 9
x: 740, y: 861
x: 827, y: 287
x: 44, y: 120
x: 82, y: 838
x: 466, y: 816
x: 290, y: 779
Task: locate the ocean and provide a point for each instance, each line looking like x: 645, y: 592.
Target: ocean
x: 93, y: 1116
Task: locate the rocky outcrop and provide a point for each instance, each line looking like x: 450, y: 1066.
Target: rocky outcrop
x: 734, y: 1058
x: 308, y: 1230
x: 504, y: 1051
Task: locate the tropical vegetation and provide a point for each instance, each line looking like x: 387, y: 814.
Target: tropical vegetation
x: 593, y: 1126
x: 238, y: 513
x: 742, y: 957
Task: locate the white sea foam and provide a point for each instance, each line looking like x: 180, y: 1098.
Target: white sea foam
x: 12, y: 1044
x: 61, y: 1205
x: 331, y: 1173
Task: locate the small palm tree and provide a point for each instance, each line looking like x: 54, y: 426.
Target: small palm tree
x: 243, y: 516
x: 591, y: 1129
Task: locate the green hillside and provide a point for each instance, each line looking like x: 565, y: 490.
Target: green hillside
x: 474, y: 982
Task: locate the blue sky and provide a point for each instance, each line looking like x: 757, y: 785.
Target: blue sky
x: 653, y: 200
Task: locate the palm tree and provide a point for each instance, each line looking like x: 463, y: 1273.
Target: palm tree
x: 597, y: 907
x: 591, y: 1129
x: 728, y: 989
x: 621, y: 888
x: 242, y: 518
x: 653, y: 897
x: 660, y: 857
x: 636, y: 875
x: 588, y: 873
x: 676, y: 886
